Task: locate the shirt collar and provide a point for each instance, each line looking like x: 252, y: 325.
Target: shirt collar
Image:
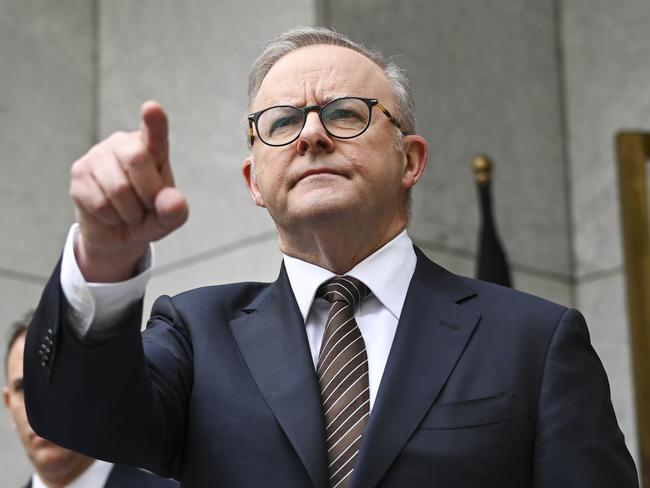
x: 387, y: 272
x: 95, y: 475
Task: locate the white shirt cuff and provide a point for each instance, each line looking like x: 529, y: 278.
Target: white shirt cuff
x: 96, y: 306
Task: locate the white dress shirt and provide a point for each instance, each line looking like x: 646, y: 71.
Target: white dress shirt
x: 387, y: 273
x: 95, y: 476
x: 98, y: 303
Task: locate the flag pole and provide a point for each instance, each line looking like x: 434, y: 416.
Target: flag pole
x: 492, y: 264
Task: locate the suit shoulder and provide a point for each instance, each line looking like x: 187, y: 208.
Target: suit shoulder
x: 247, y: 290
x: 514, y: 309
x: 215, y: 299
x: 478, y: 293
x: 500, y: 293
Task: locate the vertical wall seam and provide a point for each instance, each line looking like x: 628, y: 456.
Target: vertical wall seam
x: 565, y: 143
x: 95, y: 80
x: 323, y: 13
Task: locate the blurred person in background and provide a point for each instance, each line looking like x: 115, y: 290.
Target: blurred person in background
x: 55, y: 466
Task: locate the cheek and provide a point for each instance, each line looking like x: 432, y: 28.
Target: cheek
x: 379, y: 168
x: 269, y: 184
x: 270, y: 176
x: 22, y: 426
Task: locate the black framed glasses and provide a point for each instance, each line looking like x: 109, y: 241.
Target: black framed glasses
x: 343, y: 118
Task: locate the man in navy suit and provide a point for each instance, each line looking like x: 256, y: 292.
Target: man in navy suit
x: 56, y: 466
x: 465, y: 383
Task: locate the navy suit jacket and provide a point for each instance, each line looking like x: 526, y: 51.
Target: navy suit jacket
x: 484, y: 386
x: 129, y: 477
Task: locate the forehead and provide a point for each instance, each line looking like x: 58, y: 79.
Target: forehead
x: 316, y: 74
x: 15, y: 358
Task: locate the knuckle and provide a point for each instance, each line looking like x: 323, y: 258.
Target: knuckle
x: 117, y: 136
x: 117, y: 189
x: 131, y: 153
x: 74, y: 193
x: 97, y: 205
x: 138, y: 159
x: 94, y: 156
x: 101, y: 206
x: 93, y: 153
x: 122, y: 144
x: 78, y: 169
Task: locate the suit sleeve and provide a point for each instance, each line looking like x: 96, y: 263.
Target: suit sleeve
x: 110, y: 400
x: 93, y: 307
x: 578, y: 442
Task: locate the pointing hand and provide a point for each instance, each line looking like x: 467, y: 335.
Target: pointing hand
x: 125, y: 198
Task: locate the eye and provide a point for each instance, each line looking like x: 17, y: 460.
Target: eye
x: 17, y: 386
x: 288, y: 121
x: 343, y: 114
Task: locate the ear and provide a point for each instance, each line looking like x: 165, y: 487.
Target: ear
x: 5, y: 396
x: 416, y: 154
x: 248, y: 171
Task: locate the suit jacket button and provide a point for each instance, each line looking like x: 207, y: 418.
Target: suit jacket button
x: 43, y: 363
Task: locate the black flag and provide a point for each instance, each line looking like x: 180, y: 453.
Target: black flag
x: 492, y: 264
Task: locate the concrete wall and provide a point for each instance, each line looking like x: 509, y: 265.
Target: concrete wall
x: 606, y: 48
x: 45, y: 121
x: 540, y: 85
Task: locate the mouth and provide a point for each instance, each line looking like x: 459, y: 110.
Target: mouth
x: 316, y: 173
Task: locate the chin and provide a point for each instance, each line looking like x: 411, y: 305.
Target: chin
x: 322, y: 211
x: 50, y: 456
x: 325, y: 200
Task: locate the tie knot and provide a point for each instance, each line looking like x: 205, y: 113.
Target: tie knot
x: 343, y: 288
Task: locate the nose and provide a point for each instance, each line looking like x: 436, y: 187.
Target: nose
x: 314, y: 138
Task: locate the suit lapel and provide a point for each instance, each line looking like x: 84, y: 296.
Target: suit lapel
x: 273, y: 342
x: 432, y: 333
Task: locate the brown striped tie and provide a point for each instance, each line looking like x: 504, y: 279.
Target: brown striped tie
x: 343, y: 377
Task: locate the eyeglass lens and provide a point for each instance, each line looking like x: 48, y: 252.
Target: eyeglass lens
x: 344, y: 118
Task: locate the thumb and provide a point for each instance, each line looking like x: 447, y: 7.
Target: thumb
x: 169, y: 213
x: 171, y: 208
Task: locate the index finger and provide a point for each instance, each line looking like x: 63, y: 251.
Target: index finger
x: 154, y: 130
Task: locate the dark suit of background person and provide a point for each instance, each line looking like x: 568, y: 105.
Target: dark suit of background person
x: 54, y: 465
x: 484, y: 386
x: 129, y: 477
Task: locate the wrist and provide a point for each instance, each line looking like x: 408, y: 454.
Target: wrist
x: 100, y: 264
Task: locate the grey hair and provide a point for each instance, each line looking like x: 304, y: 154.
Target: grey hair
x: 298, y: 37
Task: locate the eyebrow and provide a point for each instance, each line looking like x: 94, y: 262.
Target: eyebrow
x: 323, y: 101
x: 327, y: 100
x: 17, y: 384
